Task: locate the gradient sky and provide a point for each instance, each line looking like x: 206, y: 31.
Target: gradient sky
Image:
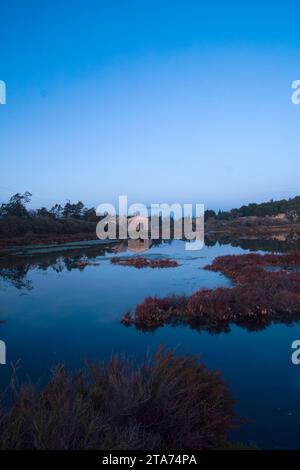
x: 164, y: 101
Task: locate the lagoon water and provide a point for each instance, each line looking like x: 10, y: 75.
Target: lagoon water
x: 56, y: 312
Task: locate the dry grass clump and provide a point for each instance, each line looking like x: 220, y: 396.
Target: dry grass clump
x: 168, y: 402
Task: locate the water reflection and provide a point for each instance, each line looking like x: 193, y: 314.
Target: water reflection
x: 15, y: 265
x: 201, y: 326
x: 280, y: 242
x: 67, y: 318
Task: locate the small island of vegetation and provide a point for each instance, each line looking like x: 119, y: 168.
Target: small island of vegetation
x: 141, y: 262
x: 267, y: 289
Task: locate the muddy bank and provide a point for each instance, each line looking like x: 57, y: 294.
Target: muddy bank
x: 50, y: 239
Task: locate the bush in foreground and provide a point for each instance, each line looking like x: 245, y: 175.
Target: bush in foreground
x: 169, y: 402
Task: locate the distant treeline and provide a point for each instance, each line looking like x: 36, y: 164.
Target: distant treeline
x: 17, y: 221
x: 290, y: 207
x: 16, y: 206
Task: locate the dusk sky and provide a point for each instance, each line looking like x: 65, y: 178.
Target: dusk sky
x: 165, y: 101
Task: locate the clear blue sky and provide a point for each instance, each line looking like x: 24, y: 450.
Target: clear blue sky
x: 164, y: 100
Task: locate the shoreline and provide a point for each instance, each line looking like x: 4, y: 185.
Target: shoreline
x: 7, y: 244
x: 264, y: 231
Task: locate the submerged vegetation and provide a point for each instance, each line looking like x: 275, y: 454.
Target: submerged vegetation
x: 267, y: 289
x: 167, y: 402
x: 141, y: 262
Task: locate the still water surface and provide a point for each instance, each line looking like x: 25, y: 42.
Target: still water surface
x: 55, y: 312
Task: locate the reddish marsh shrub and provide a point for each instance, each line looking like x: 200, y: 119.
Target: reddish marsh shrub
x: 169, y: 402
x: 258, y: 294
x: 140, y: 262
x: 158, y: 311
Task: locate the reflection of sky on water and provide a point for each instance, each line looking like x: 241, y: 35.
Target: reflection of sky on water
x: 73, y: 312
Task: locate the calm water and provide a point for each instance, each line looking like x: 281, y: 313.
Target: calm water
x: 57, y: 313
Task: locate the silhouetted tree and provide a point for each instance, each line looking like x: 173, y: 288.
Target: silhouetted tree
x: 209, y: 214
x: 73, y: 210
x: 16, y: 205
x: 89, y: 214
x: 56, y: 211
x: 43, y: 212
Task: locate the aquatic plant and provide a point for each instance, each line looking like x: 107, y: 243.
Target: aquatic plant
x: 155, y: 311
x: 260, y: 296
x: 84, y: 263
x: 168, y: 402
x: 141, y: 262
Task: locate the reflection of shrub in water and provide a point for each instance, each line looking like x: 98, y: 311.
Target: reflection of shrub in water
x: 169, y: 402
x: 15, y: 271
x: 16, y: 276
